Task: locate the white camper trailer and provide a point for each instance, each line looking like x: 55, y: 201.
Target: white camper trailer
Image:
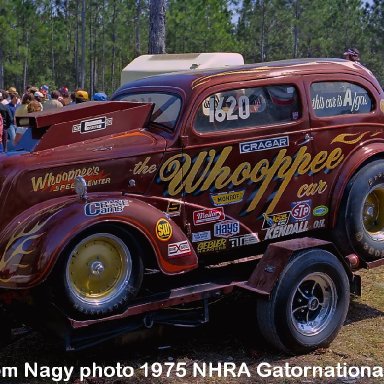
x: 149, y: 65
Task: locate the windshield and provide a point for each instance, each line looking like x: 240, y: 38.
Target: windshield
x: 167, y: 106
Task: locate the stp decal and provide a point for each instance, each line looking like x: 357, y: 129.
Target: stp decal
x: 163, y: 229
x: 300, y: 210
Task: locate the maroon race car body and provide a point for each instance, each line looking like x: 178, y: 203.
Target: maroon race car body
x: 182, y: 171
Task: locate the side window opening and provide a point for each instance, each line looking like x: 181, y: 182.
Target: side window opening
x: 248, y: 107
x: 333, y: 98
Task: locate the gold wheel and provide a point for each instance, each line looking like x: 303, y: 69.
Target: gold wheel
x: 373, y: 214
x: 98, y: 271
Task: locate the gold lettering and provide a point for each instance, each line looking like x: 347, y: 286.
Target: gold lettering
x: 183, y: 174
x: 334, y: 159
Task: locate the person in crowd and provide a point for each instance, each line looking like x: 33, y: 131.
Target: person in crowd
x: 53, y: 102
x: 352, y: 54
x: 5, y: 96
x: 6, y: 120
x: 12, y: 105
x: 14, y: 90
x: 22, y: 109
x: 81, y: 96
x: 65, y: 100
x: 44, y: 89
x: 100, y: 96
x: 40, y: 98
x: 33, y: 106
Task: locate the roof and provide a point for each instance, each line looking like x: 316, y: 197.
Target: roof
x: 189, y: 80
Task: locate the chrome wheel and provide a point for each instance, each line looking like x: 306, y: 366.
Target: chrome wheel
x: 373, y: 214
x: 313, y: 304
x: 98, y: 269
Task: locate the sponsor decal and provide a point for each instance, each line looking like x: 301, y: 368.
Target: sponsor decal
x: 211, y: 168
x: 209, y: 215
x: 289, y: 222
x: 211, y: 246
x: 63, y: 181
x: 226, y: 228
x: 92, y: 125
x: 320, y: 210
x: 201, y: 236
x: 285, y: 230
x: 243, y: 240
x: 142, y: 167
x: 319, y: 223
x: 276, y: 219
x: 179, y: 249
x: 307, y: 190
x: 97, y: 208
x: 227, y: 198
x: 263, y: 145
x: 163, y: 229
x: 173, y: 208
x: 300, y: 210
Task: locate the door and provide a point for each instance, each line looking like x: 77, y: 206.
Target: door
x: 248, y: 153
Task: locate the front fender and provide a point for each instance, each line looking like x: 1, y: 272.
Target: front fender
x: 34, y: 245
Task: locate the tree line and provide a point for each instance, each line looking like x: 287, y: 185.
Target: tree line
x: 86, y: 43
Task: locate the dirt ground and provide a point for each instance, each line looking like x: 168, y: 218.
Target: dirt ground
x: 228, y: 339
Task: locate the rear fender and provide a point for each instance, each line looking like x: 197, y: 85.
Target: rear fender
x: 350, y: 167
x: 275, y: 259
x: 34, y: 246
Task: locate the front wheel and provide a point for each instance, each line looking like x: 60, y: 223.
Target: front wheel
x: 102, y: 271
x: 309, y: 304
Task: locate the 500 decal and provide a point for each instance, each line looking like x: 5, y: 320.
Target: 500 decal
x: 209, y: 169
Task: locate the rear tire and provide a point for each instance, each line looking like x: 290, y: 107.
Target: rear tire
x: 309, y: 304
x: 360, y: 223
x: 102, y: 271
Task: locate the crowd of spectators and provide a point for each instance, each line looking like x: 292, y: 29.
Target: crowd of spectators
x: 34, y: 99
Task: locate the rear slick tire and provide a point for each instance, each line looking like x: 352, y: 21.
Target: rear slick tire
x: 309, y: 304
x: 360, y: 224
